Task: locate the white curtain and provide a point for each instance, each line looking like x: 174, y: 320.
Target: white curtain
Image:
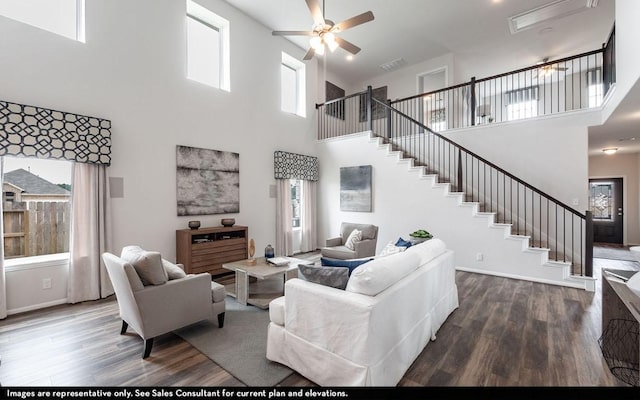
x: 90, y: 233
x: 3, y: 287
x: 308, y: 216
x: 284, y: 232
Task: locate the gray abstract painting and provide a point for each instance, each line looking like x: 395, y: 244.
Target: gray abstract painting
x: 355, y: 188
x: 208, y: 181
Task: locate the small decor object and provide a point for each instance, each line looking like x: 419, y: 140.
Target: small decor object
x: 194, y: 224
x: 252, y: 251
x: 420, y: 236
x: 228, y: 222
x: 268, y: 252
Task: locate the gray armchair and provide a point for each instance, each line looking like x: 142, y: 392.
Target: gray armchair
x: 335, y: 247
x: 153, y: 310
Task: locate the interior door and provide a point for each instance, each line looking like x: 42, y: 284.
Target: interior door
x: 605, y: 201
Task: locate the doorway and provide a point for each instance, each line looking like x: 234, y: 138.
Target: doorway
x: 606, y: 204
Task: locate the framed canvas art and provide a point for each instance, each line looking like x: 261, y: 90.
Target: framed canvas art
x: 208, y: 181
x: 355, y: 188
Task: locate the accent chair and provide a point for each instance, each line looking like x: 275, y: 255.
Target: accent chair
x: 365, y: 247
x: 156, y: 308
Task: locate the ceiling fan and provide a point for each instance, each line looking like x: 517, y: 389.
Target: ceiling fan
x: 324, y: 31
x: 547, y: 69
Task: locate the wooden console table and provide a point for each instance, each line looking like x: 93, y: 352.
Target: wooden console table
x: 620, y: 342
x: 206, y: 249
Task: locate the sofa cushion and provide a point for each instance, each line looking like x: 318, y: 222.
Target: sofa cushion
x: 335, y: 277
x: 276, y: 311
x: 428, y: 250
x: 148, y: 265
x: 350, y: 264
x: 377, y: 275
x: 354, y: 236
x: 173, y: 271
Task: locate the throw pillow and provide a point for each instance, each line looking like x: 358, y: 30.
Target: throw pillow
x: 403, y: 243
x: 354, y: 236
x: 148, y: 265
x: 350, y: 264
x: 336, y: 277
x: 173, y: 271
x: 391, y: 248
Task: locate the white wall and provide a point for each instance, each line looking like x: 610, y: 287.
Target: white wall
x: 132, y: 71
x: 549, y: 153
x: 404, y: 81
x: 624, y: 166
x: 627, y: 51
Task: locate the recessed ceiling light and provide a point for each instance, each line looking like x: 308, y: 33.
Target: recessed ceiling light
x: 349, y: 57
x: 610, y: 150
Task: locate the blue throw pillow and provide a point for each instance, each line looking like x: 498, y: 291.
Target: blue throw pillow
x: 403, y: 243
x: 351, y: 264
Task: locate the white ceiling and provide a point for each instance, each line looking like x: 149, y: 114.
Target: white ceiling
x: 475, y: 31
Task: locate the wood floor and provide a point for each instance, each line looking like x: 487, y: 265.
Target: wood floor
x: 505, y: 333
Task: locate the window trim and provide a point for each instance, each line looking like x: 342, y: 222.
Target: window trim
x: 210, y: 19
x: 301, y: 83
x: 80, y: 18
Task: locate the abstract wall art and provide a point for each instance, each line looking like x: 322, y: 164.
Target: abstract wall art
x: 355, y: 188
x: 208, y: 181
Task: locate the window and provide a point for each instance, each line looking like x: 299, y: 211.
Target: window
x: 207, y: 47
x: 522, y: 103
x: 37, y: 222
x: 296, y: 205
x: 594, y: 88
x: 293, y: 86
x: 63, y: 17
x: 601, y: 201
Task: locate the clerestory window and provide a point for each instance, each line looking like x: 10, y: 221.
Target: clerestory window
x: 62, y: 17
x: 208, y: 59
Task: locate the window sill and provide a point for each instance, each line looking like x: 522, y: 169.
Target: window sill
x: 49, y: 260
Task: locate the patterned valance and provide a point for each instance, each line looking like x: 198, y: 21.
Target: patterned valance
x: 42, y: 133
x: 295, y: 166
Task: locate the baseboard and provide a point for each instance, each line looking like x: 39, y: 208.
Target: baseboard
x: 37, y: 306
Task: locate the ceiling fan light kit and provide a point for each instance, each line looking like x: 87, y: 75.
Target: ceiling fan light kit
x: 324, y: 31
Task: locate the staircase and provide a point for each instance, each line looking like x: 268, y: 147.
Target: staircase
x: 500, y: 224
x: 493, y: 247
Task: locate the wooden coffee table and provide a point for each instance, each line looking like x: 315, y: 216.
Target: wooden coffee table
x: 267, y: 287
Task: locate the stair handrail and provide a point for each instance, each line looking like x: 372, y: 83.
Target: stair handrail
x: 482, y: 159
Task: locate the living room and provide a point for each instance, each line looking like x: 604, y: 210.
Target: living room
x: 131, y: 70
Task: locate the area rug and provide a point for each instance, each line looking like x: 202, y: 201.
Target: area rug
x: 240, y: 347
x: 613, y: 253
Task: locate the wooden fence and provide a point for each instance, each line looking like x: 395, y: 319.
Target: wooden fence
x: 42, y: 228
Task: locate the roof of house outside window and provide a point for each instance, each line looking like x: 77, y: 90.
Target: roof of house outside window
x: 33, y: 184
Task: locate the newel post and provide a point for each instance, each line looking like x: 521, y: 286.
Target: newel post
x: 369, y: 108
x: 588, y: 241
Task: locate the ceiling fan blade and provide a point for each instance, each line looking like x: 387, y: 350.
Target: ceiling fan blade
x: 293, y: 33
x: 309, y: 54
x: 348, y: 46
x: 316, y: 11
x: 353, y: 21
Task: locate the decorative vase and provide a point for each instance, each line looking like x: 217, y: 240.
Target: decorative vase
x: 227, y: 222
x: 268, y: 252
x: 194, y: 224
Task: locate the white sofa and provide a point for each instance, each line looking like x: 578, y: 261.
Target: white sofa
x: 370, y: 333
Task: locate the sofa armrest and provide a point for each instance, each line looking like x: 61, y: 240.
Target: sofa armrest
x: 175, y: 304
x: 332, y: 242
x: 341, y: 322
x: 365, y: 248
